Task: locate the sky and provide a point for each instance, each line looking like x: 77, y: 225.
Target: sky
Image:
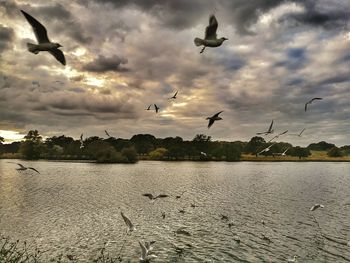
x: 125, y: 55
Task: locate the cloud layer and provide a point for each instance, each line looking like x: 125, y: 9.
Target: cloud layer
x: 124, y: 55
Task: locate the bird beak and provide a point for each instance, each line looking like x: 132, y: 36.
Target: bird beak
x: 225, y: 38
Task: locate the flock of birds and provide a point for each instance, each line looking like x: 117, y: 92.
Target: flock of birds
x: 210, y: 40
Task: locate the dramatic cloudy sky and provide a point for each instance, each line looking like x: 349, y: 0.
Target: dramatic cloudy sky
x: 123, y: 55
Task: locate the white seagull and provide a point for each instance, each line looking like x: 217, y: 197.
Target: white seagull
x: 81, y: 142
x: 294, y: 259
x: 278, y: 135
x: 146, y: 254
x: 269, y: 131
x: 311, y: 101
x: 210, y: 38
x: 281, y: 154
x: 299, y: 134
x: 44, y: 44
x: 316, y: 206
x: 266, y: 149
x: 23, y: 168
x: 128, y: 223
x: 203, y: 153
x: 213, y: 118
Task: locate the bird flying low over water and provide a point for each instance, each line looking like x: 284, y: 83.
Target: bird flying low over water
x: 299, y: 134
x: 278, y: 135
x: 210, y: 38
x: 213, y: 118
x: 152, y: 197
x: 311, y: 101
x: 174, y: 96
x: 156, y: 108
x: 146, y: 251
x: 269, y: 131
x: 81, y: 142
x: 266, y: 149
x: 44, y: 44
x: 128, y: 223
x: 23, y: 168
x: 281, y: 154
x: 316, y: 206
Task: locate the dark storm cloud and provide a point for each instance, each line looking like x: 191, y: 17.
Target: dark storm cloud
x: 103, y: 64
x: 6, y: 37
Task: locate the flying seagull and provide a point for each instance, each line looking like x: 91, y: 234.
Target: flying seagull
x: 156, y: 108
x: 266, y: 149
x: 81, y: 142
x: 174, y: 96
x: 299, y: 133
x: 44, y: 44
x: 203, y: 153
x: 152, y: 197
x: 149, y: 107
x: 23, y: 168
x: 146, y: 254
x: 278, y: 135
x: 316, y: 206
x: 128, y: 223
x: 213, y: 118
x: 269, y: 131
x: 106, y: 132
x: 311, y: 101
x: 281, y: 154
x: 210, y: 38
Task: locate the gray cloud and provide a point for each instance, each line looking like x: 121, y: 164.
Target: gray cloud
x: 6, y: 37
x: 103, y: 64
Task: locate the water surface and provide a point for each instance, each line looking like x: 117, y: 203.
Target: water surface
x: 74, y: 208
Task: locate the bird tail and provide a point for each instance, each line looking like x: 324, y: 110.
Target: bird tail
x: 198, y: 41
x: 32, y: 48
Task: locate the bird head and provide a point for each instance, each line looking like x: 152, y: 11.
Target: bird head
x: 223, y: 39
x: 58, y: 45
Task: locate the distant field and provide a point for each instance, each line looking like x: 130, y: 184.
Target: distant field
x: 315, y: 156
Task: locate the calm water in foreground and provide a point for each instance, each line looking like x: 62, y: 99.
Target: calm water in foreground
x: 73, y: 208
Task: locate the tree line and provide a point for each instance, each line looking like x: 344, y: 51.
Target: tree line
x: 147, y: 146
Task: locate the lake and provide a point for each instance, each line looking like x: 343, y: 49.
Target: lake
x: 74, y: 208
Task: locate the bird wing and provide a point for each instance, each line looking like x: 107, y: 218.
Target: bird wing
x: 217, y: 114
x: 175, y: 94
x: 283, y: 133
x: 39, y: 30
x: 210, y: 31
x: 211, y: 122
x: 143, y: 250
x: 149, y: 107
x: 306, y: 105
x: 270, y: 128
x: 58, y: 54
x: 161, y: 196
x: 81, y: 137
x: 316, y: 99
x: 20, y: 165
x: 273, y: 138
x: 301, y: 132
x: 127, y: 220
x: 31, y: 168
x: 107, y: 134
x: 286, y: 150
x: 150, y: 196
x: 156, y: 107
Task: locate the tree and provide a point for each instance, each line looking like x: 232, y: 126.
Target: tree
x: 254, y: 144
x: 130, y: 154
x: 32, y: 146
x: 321, y: 146
x: 300, y: 152
x: 335, y: 152
x: 144, y: 143
x: 158, y: 153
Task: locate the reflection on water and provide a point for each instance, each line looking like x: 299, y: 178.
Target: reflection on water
x: 73, y: 208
